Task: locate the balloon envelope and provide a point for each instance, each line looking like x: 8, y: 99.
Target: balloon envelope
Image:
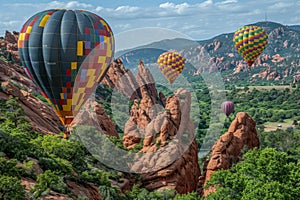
x: 171, y: 64
x: 250, y: 42
x: 53, y: 44
x: 227, y: 107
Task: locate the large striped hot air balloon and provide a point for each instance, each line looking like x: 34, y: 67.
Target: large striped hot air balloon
x: 227, y: 107
x: 171, y: 64
x: 250, y: 42
x: 55, y: 45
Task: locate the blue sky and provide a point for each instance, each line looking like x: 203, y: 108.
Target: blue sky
x: 200, y: 19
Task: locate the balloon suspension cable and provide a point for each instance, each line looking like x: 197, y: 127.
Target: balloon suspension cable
x: 67, y: 132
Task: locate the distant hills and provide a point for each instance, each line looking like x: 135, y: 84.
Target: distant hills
x: 295, y: 27
x: 278, y: 64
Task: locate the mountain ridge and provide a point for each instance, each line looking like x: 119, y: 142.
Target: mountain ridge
x: 280, y: 59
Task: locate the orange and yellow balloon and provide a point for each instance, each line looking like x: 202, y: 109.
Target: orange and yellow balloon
x: 250, y: 42
x: 171, y: 64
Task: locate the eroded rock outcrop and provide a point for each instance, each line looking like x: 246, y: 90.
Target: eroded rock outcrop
x: 88, y: 191
x: 122, y: 80
x: 42, y: 118
x: 170, y: 155
x: 144, y: 109
x: 10, y: 46
x: 146, y: 82
x: 228, y: 149
x: 93, y: 114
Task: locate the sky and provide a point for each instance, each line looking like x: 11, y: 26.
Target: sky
x: 198, y: 20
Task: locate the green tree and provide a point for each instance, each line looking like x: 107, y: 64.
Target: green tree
x: 189, y: 196
x: 49, y: 181
x: 264, y: 174
x: 11, y: 188
x: 14, y: 112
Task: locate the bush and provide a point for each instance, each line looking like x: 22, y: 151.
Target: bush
x: 97, y: 177
x: 58, y: 165
x: 49, y: 181
x: 51, y: 146
x: 13, y: 146
x: 264, y: 174
x: 11, y: 188
x: 10, y: 168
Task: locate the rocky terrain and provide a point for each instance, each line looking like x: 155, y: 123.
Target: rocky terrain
x: 229, y: 148
x: 15, y: 82
x: 279, y: 62
x: 161, y: 125
x: 9, y: 46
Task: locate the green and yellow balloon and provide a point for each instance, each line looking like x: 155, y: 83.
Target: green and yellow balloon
x: 250, y: 42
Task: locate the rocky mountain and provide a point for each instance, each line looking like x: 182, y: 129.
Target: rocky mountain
x: 228, y: 148
x: 160, y: 125
x: 14, y: 82
x: 279, y: 62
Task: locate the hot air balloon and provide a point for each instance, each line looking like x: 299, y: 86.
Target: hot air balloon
x: 55, y: 46
x: 227, y: 107
x: 171, y: 64
x: 250, y: 42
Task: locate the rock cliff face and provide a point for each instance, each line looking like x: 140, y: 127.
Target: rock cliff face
x: 143, y: 110
x: 93, y: 114
x: 228, y: 149
x: 163, y: 127
x: 10, y: 46
x: 88, y: 190
x: 169, y: 147
x: 122, y: 79
x: 42, y: 118
x: 170, y: 136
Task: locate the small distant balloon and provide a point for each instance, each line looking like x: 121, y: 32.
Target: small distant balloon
x: 171, y: 64
x: 227, y: 107
x: 57, y: 48
x: 250, y: 42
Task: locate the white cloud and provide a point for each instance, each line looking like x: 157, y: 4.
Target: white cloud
x: 167, y: 5
x: 226, y: 2
x: 206, y: 4
x: 99, y: 8
x: 126, y: 9
x: 123, y: 26
x: 174, y: 8
x: 281, y: 5
x: 10, y: 23
x: 198, y: 20
x: 69, y: 5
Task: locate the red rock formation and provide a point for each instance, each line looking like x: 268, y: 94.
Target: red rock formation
x: 228, y: 149
x: 122, y: 79
x: 93, y: 114
x: 277, y: 58
x: 164, y: 126
x: 144, y: 110
x: 217, y: 45
x: 16, y: 74
x: 88, y: 191
x: 9, y: 42
x: 240, y: 66
x: 169, y: 161
x: 182, y: 175
x: 146, y: 82
x: 296, y: 79
x: 42, y: 118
